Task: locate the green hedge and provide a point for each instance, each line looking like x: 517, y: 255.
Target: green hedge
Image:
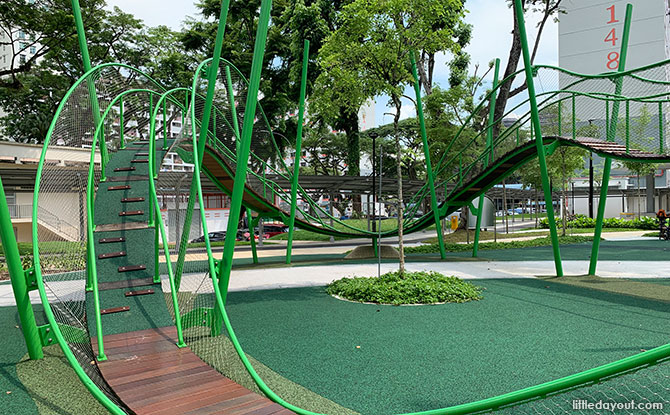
x: 531, y: 243
x: 410, y: 288
x: 581, y: 221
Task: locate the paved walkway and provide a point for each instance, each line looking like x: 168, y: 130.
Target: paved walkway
x: 302, y: 276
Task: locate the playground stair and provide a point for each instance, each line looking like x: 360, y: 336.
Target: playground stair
x: 145, y: 368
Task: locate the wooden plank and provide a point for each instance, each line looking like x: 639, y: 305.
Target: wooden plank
x: 111, y: 240
x: 141, y: 153
x: 138, y: 292
x: 139, y: 161
x: 152, y: 376
x: 131, y: 213
x: 135, y: 178
x: 121, y: 226
x: 124, y: 169
x: 132, y: 199
x: 114, y: 310
x: 128, y: 268
x: 112, y: 255
x: 123, y: 187
x: 115, y: 285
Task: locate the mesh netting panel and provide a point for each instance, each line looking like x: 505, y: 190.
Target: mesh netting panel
x: 647, y: 388
x: 631, y: 108
x: 62, y: 195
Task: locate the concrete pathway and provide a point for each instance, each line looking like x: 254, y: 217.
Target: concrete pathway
x: 302, y: 276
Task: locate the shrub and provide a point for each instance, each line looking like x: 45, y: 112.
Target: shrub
x: 531, y: 243
x: 411, y: 288
x: 581, y: 221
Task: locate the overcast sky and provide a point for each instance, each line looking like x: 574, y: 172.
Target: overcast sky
x: 491, y: 19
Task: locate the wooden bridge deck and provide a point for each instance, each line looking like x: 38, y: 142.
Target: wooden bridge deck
x: 151, y: 375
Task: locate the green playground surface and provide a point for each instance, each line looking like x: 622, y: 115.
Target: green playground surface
x: 524, y: 332
x: 613, y: 250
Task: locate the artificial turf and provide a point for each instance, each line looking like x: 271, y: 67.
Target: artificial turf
x: 637, y: 250
x: 524, y: 332
x: 14, y: 396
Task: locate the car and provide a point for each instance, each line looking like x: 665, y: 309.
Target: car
x: 271, y: 229
x: 216, y: 236
x: 244, y: 235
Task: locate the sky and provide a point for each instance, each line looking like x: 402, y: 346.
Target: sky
x: 491, y: 37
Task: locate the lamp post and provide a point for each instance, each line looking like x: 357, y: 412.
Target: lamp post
x: 373, y: 135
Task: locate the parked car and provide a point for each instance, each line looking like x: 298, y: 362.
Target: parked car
x: 271, y: 230
x: 220, y: 236
x: 245, y: 235
x: 217, y: 236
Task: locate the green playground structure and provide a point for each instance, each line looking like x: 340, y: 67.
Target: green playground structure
x: 125, y: 276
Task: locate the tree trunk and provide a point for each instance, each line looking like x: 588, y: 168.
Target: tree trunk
x: 505, y: 207
x: 505, y: 87
x: 401, y: 249
x: 349, y: 123
x: 639, y: 196
x: 537, y: 209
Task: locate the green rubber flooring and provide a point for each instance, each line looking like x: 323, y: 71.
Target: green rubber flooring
x: 139, y: 249
x: 415, y: 358
x: 146, y: 311
x: 642, y: 250
x: 15, y: 398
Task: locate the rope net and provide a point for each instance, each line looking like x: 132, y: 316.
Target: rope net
x: 62, y: 195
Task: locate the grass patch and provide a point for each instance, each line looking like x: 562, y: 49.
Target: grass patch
x: 304, y: 235
x: 531, y: 243
x: 411, y: 288
x: 651, y: 234
x: 461, y: 236
x: 521, y: 216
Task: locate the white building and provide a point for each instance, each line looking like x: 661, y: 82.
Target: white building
x: 589, y: 39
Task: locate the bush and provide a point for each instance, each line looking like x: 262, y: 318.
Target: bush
x: 581, y: 221
x: 412, y: 288
x: 531, y: 243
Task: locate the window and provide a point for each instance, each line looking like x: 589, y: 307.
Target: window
x: 22, y: 59
x: 213, y: 201
x: 23, y: 45
x: 22, y: 34
x: 33, y: 50
x: 176, y: 124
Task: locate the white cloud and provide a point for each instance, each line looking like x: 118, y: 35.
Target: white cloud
x: 170, y: 13
x: 492, y: 23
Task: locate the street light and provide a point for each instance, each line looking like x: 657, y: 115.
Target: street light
x: 373, y: 135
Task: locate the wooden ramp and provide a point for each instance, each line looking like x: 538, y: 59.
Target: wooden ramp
x: 151, y: 375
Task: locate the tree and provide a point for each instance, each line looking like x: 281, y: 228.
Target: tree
x: 549, y: 9
x: 368, y: 55
x: 565, y: 161
x: 30, y: 92
x: 642, y: 141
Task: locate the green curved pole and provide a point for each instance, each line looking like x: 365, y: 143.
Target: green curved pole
x: 489, y: 145
x: 518, y: 8
x: 213, y: 72
x: 226, y: 263
x: 18, y: 278
x: 426, y: 154
x: 611, y: 133
x: 298, y: 151
x: 86, y: 60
